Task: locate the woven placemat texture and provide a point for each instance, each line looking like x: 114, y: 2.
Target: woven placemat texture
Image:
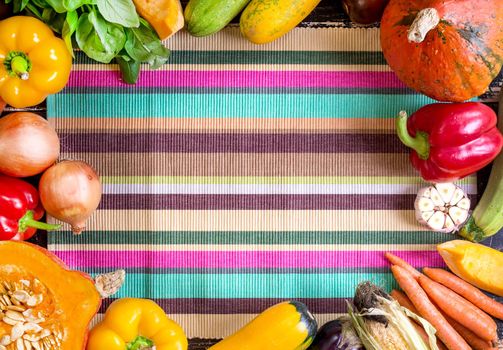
x: 238, y: 175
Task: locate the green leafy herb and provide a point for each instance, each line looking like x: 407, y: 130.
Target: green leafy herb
x: 105, y: 30
x: 120, y: 12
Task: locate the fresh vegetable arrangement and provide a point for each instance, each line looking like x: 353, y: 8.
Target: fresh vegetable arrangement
x: 136, y: 324
x: 33, y: 62
x: 447, y: 50
x: 108, y: 30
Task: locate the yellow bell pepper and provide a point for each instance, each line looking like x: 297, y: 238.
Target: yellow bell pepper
x: 136, y: 324
x: 33, y: 62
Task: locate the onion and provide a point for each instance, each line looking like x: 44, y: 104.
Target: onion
x: 70, y: 191
x: 28, y: 144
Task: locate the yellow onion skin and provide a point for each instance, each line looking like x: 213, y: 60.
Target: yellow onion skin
x: 70, y: 191
x: 28, y: 144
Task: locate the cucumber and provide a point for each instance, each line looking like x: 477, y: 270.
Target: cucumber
x: 206, y: 17
x: 284, y: 326
x: 487, y: 218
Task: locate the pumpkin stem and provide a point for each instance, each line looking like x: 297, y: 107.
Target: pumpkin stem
x: 419, y: 143
x: 426, y: 20
x: 28, y: 221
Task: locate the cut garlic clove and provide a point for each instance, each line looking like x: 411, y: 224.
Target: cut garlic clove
x: 458, y: 215
x: 426, y: 215
x: 437, y: 221
x: 449, y: 225
x: 436, y: 198
x: 457, y: 196
x: 446, y: 191
x: 425, y: 204
x: 464, y: 204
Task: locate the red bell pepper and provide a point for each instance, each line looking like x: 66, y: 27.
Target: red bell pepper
x: 19, y: 210
x: 450, y: 140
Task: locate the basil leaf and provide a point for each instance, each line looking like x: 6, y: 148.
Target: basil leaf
x: 100, y: 40
x: 72, y: 5
x: 69, y: 27
x: 57, y: 5
x: 121, y: 12
x: 130, y: 69
x: 143, y: 45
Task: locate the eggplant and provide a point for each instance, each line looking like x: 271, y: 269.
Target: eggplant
x: 364, y: 11
x: 338, y: 334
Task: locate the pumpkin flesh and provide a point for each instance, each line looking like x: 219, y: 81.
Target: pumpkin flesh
x: 62, y: 302
x: 458, y: 59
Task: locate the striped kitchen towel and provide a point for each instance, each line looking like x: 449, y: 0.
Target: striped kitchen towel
x: 238, y: 175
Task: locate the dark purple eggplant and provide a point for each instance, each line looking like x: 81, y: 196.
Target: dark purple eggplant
x: 364, y: 11
x: 337, y: 335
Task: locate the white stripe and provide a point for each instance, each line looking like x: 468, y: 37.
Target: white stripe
x: 286, y: 189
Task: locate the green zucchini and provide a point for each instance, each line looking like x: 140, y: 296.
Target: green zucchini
x: 284, y: 326
x: 206, y: 17
x: 487, y: 218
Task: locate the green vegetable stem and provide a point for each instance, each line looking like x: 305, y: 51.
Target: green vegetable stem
x: 105, y: 30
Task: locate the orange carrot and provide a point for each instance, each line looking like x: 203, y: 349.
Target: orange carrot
x: 395, y: 260
x: 406, y: 303
x: 466, y: 290
x: 403, y: 300
x: 460, y: 309
x: 470, y: 337
x: 427, y: 310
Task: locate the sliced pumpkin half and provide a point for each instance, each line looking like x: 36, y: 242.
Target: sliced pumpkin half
x: 43, y: 305
x: 165, y: 16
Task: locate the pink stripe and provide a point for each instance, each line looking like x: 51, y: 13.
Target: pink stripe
x: 242, y: 259
x: 236, y: 79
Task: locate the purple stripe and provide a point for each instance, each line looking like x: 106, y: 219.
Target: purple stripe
x: 257, y: 202
x: 231, y: 142
x: 304, y: 79
x: 240, y: 259
x: 239, y: 305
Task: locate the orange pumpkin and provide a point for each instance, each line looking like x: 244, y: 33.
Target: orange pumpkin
x: 449, y: 50
x: 41, y: 301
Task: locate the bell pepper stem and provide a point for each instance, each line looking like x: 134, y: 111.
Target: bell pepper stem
x: 140, y: 343
x: 28, y: 221
x: 419, y: 143
x: 18, y: 64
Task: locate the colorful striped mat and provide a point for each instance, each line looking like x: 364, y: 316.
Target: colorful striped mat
x: 242, y: 175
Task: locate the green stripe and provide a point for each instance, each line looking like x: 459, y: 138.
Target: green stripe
x: 109, y: 105
x: 268, y: 180
x: 266, y: 57
x: 232, y: 286
x: 248, y: 237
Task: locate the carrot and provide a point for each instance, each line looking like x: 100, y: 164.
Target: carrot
x: 460, y: 309
x: 470, y: 337
x: 406, y: 303
x: 466, y: 290
x: 403, y: 300
x: 395, y: 260
x: 427, y: 310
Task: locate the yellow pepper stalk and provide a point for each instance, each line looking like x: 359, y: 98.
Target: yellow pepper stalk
x: 136, y: 324
x: 33, y: 62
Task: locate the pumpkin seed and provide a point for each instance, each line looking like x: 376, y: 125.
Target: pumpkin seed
x: 15, y: 308
x: 17, y: 332
x: 5, y: 340
x: 6, y: 300
x: 10, y: 321
x: 27, y: 345
x: 20, y: 344
x: 36, y: 345
x: 21, y: 295
x: 2, y: 347
x: 15, y: 315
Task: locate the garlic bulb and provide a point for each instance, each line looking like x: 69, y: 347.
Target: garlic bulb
x: 443, y: 207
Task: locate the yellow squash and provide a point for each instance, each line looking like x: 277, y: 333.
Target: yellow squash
x: 475, y: 263
x: 285, y: 326
x: 264, y: 21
